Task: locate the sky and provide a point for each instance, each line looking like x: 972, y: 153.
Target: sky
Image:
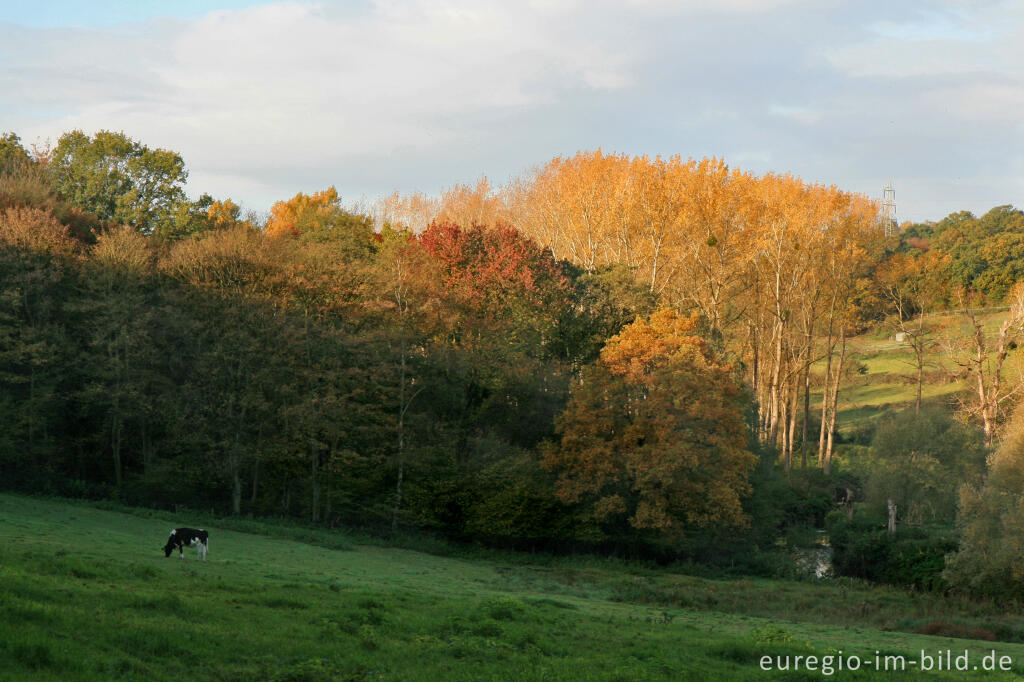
x: 267, y: 99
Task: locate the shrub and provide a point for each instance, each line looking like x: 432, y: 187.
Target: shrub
x: 912, y: 557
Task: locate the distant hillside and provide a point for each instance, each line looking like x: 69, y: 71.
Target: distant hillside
x: 881, y: 371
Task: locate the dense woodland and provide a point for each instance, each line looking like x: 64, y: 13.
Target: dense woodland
x: 621, y: 355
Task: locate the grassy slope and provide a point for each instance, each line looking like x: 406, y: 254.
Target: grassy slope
x: 87, y: 594
x: 889, y: 379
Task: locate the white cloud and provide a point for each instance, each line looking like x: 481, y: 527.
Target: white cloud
x: 717, y: 6
x: 418, y: 94
x: 294, y: 84
x: 804, y: 115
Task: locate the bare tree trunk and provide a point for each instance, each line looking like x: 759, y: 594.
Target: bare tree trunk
x: 986, y: 361
x: 236, y: 492
x: 920, y: 383
x: 255, y: 480
x: 754, y: 374
x: 784, y: 420
x: 919, y: 348
x: 984, y: 391
x: 789, y: 413
x: 835, y: 401
x: 314, y: 466
x: 115, y: 447
x: 807, y: 415
x: 825, y: 388
x: 147, y: 449
x: 793, y: 395
x: 329, y: 475
x: 892, y: 515
x: 773, y: 396
x: 826, y: 382
x: 403, y: 407
x: 401, y: 441
x: 807, y: 359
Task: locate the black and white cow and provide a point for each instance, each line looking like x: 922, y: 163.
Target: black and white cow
x: 192, y: 537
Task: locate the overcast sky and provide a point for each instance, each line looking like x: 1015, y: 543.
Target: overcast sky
x: 264, y: 100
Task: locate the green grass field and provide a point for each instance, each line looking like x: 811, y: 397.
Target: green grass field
x: 887, y: 377
x: 86, y: 594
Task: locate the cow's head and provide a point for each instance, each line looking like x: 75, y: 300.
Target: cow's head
x: 169, y: 547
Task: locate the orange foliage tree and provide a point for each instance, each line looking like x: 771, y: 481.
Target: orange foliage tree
x: 771, y: 263
x: 304, y: 212
x: 223, y: 214
x: 654, y: 433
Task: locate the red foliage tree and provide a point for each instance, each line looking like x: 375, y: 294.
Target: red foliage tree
x: 499, y: 278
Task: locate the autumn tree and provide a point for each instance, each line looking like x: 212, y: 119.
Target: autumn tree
x: 226, y: 275
x: 764, y: 260
x: 566, y: 207
x: 982, y: 356
x: 471, y: 206
x: 913, y: 285
x: 37, y: 260
x: 119, y: 314
x: 205, y: 214
x: 705, y: 268
x: 500, y: 280
x: 654, y: 434
x: 320, y: 216
x: 412, y: 212
x: 335, y: 391
x: 846, y: 254
x: 497, y: 333
x: 407, y: 289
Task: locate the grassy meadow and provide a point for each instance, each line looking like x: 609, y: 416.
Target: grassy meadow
x: 881, y: 373
x: 87, y: 594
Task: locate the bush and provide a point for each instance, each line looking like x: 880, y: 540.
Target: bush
x: 911, y: 557
x: 991, y: 523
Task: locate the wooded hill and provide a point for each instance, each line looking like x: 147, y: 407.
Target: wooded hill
x: 609, y: 353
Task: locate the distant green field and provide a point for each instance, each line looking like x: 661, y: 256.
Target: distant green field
x: 87, y: 594
x: 883, y: 372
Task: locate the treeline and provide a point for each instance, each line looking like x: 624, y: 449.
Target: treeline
x: 315, y: 367
x: 610, y: 353
x: 779, y: 270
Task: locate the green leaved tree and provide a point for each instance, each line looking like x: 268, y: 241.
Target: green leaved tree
x: 120, y: 180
